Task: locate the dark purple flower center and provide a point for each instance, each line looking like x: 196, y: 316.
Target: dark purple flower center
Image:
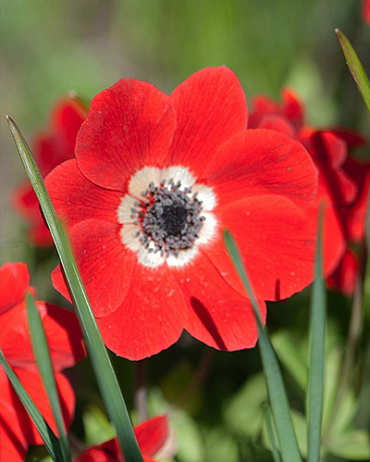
x: 170, y: 218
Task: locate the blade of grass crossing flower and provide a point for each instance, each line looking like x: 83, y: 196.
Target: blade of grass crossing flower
x: 102, y: 365
x: 355, y: 67
x: 275, y: 386
x: 41, y: 350
x: 51, y: 441
x: 267, y: 416
x: 316, y: 348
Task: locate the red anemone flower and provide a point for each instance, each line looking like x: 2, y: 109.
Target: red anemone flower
x: 65, y: 342
x: 155, y: 180
x: 344, y: 277
x: 51, y: 146
x: 151, y: 436
x: 328, y: 149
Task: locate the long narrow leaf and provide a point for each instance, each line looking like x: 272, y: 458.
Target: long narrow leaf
x: 270, y: 429
x: 103, y: 368
x: 41, y: 350
x: 51, y: 441
x: 275, y: 386
x: 316, y: 346
x: 355, y: 67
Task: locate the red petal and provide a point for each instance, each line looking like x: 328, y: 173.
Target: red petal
x: 356, y: 221
x: 25, y: 202
x: 76, y: 199
x: 333, y: 231
x: 365, y: 11
x: 150, y: 318
x: 329, y: 153
x: 290, y: 109
x: 15, y: 340
x: 210, y: 108
x: 17, y: 418
x: 217, y: 314
x: 276, y: 241
x: 34, y: 387
x: 64, y: 336
x: 13, y: 441
x: 258, y: 162
x: 105, y: 265
x: 278, y: 123
x: 344, y: 277
x: 129, y: 125
x: 39, y: 234
x: 261, y: 106
x: 352, y: 138
x: 14, y: 280
x: 62, y: 331
x: 56, y: 144
x: 152, y: 434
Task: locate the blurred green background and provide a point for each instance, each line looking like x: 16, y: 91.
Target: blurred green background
x: 49, y: 47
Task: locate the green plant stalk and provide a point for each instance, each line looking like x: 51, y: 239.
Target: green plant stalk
x: 316, y: 346
x: 52, y: 443
x: 274, y: 381
x: 267, y: 416
x: 355, y: 67
x: 42, y: 354
x: 101, y: 363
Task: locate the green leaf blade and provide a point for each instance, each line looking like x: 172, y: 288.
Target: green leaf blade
x: 43, y: 359
x: 315, y: 390
x: 355, y: 67
x: 52, y: 443
x: 276, y: 390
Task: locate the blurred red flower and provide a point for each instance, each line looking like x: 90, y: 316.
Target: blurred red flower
x: 344, y: 277
x: 328, y: 149
x: 154, y: 181
x: 50, y: 147
x: 366, y: 11
x: 151, y: 436
x: 65, y: 342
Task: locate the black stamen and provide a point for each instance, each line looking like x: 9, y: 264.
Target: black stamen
x: 170, y: 218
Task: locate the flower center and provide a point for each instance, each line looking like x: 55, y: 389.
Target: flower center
x: 170, y: 218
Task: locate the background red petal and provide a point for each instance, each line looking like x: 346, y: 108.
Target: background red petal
x: 17, y: 418
x: 14, y: 280
x: 62, y: 331
x: 129, y: 125
x: 278, y: 123
x: 152, y: 434
x: 13, y: 443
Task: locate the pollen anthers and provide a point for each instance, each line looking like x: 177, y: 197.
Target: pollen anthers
x: 170, y: 217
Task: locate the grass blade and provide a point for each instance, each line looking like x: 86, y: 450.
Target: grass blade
x: 101, y: 363
x: 267, y: 416
x: 274, y: 381
x: 51, y: 441
x: 316, y: 346
x: 355, y: 67
x: 41, y: 351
